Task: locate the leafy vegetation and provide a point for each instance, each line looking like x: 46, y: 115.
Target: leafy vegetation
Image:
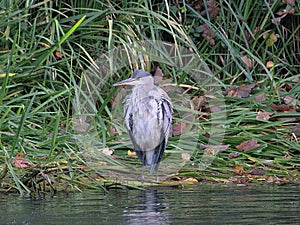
x: 48, y: 47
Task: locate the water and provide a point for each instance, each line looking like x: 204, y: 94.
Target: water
x: 205, y: 204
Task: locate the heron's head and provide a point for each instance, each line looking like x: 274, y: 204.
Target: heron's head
x: 138, y: 77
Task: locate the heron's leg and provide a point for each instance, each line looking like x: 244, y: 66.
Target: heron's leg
x: 143, y: 174
x: 156, y: 170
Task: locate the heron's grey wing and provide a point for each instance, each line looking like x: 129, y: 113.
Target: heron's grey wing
x: 128, y: 114
x: 166, y: 117
x: 129, y: 109
x: 165, y: 111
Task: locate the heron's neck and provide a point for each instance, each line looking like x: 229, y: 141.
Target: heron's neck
x: 142, y: 90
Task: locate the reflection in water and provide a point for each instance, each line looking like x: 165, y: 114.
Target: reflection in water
x: 150, y: 210
x: 203, y: 204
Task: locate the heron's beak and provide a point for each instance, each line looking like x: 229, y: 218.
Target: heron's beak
x: 129, y: 81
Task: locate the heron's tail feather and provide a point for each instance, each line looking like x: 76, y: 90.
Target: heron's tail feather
x: 153, y: 157
x: 157, y: 155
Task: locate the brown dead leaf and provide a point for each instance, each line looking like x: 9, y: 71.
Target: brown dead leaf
x: 257, y: 171
x: 256, y: 30
x: 282, y: 108
x: 206, y: 135
x: 289, y: 2
x: 199, y: 101
x: 179, y: 128
x: 296, y: 79
x: 210, y: 151
x: 285, y: 109
x: 208, y: 34
x: 19, y: 161
x: 106, y: 151
x: 280, y: 13
x: 242, y: 180
x: 271, y: 179
x: 260, y: 97
x: 233, y: 155
x: 185, y: 156
x: 213, y: 9
x: 101, y: 163
x: 288, y: 87
x: 61, y: 131
x: 112, y: 131
x: 249, y: 62
x: 238, y: 169
x: 248, y: 145
x: 190, y: 180
x: 215, y: 109
x: 57, y: 54
x: 219, y: 148
x: 158, y: 76
x: 210, y: 8
x: 296, y: 128
x: 80, y: 125
x: 263, y: 115
x: 242, y: 91
x: 287, y: 156
x: 288, y: 10
x: 231, y: 92
x: 290, y: 101
x: 232, y: 179
x: 276, y: 20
